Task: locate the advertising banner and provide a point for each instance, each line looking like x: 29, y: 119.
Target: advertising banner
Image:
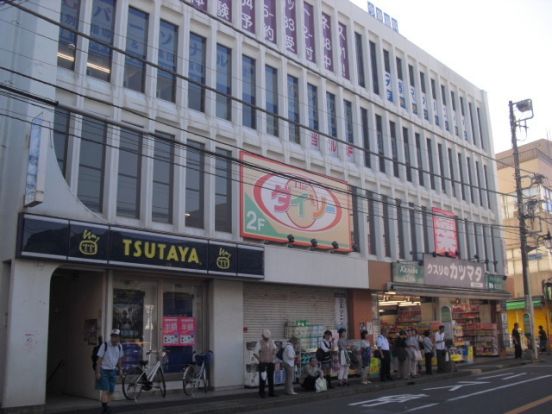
x: 290, y: 25
x: 178, y: 331
x: 200, y: 4
x: 445, y: 232
x: 224, y: 9
x: 327, y: 35
x: 293, y: 202
x: 344, y: 52
x: 408, y: 273
x: 310, y: 52
x: 270, y: 20
x: 248, y: 15
x: 443, y: 271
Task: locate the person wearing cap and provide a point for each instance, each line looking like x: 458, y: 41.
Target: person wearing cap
x: 110, y: 355
x: 289, y: 364
x: 265, y: 353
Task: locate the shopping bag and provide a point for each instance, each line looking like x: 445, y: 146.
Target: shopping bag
x: 321, y: 385
x: 418, y: 355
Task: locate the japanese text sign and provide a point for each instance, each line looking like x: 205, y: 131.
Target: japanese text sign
x: 327, y: 35
x: 443, y: 271
x: 445, y: 232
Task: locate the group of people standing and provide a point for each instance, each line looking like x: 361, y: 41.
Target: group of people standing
x: 516, y: 339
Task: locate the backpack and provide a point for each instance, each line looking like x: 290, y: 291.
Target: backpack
x: 94, y: 356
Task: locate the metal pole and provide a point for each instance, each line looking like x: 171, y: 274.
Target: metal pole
x: 523, y: 236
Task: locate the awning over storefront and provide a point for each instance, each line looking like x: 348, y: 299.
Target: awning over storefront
x: 436, y: 291
x: 516, y: 304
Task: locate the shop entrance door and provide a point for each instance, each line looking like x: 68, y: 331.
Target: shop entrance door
x: 74, y: 327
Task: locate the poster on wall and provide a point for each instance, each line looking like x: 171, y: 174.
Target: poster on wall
x: 128, y: 313
x: 179, y: 331
x: 445, y: 232
x: 293, y: 202
x: 341, y: 320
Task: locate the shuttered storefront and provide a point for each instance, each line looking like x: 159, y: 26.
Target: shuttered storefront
x: 271, y: 306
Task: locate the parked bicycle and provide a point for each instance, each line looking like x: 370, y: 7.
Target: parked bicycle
x: 145, y: 378
x: 196, y: 375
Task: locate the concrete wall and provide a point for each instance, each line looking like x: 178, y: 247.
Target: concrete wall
x: 226, y: 333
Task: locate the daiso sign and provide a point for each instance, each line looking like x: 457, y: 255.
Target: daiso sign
x: 278, y: 200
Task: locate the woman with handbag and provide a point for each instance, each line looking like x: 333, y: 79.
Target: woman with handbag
x: 324, y: 356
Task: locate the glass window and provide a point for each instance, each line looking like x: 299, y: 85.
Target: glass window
x: 433, y: 89
x: 374, y: 66
x: 332, y: 116
x: 136, y: 46
x: 470, y: 179
x: 271, y: 75
x: 196, y: 73
x: 461, y: 176
x: 426, y: 229
x: 424, y: 99
x: 61, y: 135
x: 413, y: 232
x: 101, y: 28
x: 400, y: 230
x: 479, y: 183
x: 487, y: 186
x: 386, y: 226
x: 366, y: 137
x: 399, y: 68
x: 360, y: 59
x: 430, y: 163
x: 371, y: 223
x: 223, y: 191
x: 419, y: 159
x: 386, y: 61
x: 451, y: 168
x: 293, y: 109
x: 168, y: 52
x: 163, y: 156
x: 91, y: 163
x: 224, y: 82
x: 442, y: 168
x: 195, y: 168
x: 381, y: 151
x: 312, y: 92
x: 128, y: 184
x: 470, y: 107
x: 407, y: 160
x: 349, y: 131
x: 422, y: 82
x: 67, y: 44
x: 394, y: 148
x: 481, y: 138
x: 249, y: 94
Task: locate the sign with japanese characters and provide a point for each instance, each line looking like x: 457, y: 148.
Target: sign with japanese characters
x: 388, y: 86
x: 424, y: 107
x: 413, y: 100
x: 445, y: 117
x: 445, y: 232
x: 270, y: 20
x: 402, y: 97
x: 248, y: 15
x: 315, y: 140
x: 224, y: 9
x: 199, y: 4
x: 179, y: 331
x: 310, y: 52
x: 290, y: 24
x: 327, y: 37
x: 293, y: 202
x: 408, y: 272
x: 344, y: 52
x: 443, y: 271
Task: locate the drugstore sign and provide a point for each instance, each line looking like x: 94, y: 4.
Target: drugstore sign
x: 278, y: 200
x: 76, y: 241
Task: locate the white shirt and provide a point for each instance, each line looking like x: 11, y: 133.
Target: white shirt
x: 289, y: 355
x: 110, y: 355
x: 440, y: 341
x: 382, y: 343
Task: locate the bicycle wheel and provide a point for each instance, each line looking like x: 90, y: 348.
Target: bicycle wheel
x: 132, y: 385
x: 204, y: 379
x: 159, y: 382
x: 189, y: 383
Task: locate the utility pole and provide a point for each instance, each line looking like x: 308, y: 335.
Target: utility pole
x: 523, y: 106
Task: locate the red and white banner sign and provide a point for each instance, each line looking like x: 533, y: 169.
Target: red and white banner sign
x: 445, y: 232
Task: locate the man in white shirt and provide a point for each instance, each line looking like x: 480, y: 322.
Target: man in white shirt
x: 440, y: 348
x: 265, y: 352
x: 385, y: 362
x: 109, y: 355
x: 289, y: 364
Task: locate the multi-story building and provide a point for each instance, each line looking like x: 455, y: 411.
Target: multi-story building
x: 536, y: 172
x: 159, y: 157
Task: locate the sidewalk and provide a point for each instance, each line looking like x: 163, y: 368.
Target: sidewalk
x: 242, y: 400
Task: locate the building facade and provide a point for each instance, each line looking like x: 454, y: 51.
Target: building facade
x: 536, y: 170
x: 194, y: 171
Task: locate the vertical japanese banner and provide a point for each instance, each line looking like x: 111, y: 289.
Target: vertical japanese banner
x: 445, y: 232
x: 344, y: 55
x: 290, y: 25
x: 388, y: 86
x: 413, y: 100
x: 310, y: 52
x: 402, y: 97
x: 170, y: 331
x: 331, y: 147
x: 454, y: 123
x: 424, y: 106
x: 464, y: 127
x: 199, y: 4
x: 248, y: 15
x: 327, y: 35
x: 341, y: 319
x: 435, y: 113
x: 186, y: 331
x: 315, y: 141
x: 224, y: 9
x: 445, y: 117
x: 270, y: 20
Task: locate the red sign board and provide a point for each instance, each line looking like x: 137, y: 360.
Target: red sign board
x: 179, y: 331
x: 445, y: 232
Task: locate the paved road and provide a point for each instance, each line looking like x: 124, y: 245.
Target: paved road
x: 519, y: 390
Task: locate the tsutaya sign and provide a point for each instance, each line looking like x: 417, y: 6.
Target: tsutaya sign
x: 76, y: 241
x: 293, y: 201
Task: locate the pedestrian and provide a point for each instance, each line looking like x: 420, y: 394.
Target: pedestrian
x: 366, y: 357
x: 440, y: 348
x: 289, y: 364
x: 428, y: 352
x: 382, y: 344
x: 324, y: 356
x: 516, y: 339
x: 310, y: 374
x: 344, y: 360
x: 110, y: 355
x: 413, y: 351
x: 265, y: 352
x: 543, y: 339
x: 401, y: 351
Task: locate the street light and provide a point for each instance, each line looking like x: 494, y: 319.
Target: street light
x: 524, y: 110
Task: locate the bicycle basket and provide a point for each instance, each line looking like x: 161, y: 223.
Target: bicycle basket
x: 204, y: 358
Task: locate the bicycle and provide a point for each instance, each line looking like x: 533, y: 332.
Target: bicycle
x: 145, y: 378
x: 195, y: 375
